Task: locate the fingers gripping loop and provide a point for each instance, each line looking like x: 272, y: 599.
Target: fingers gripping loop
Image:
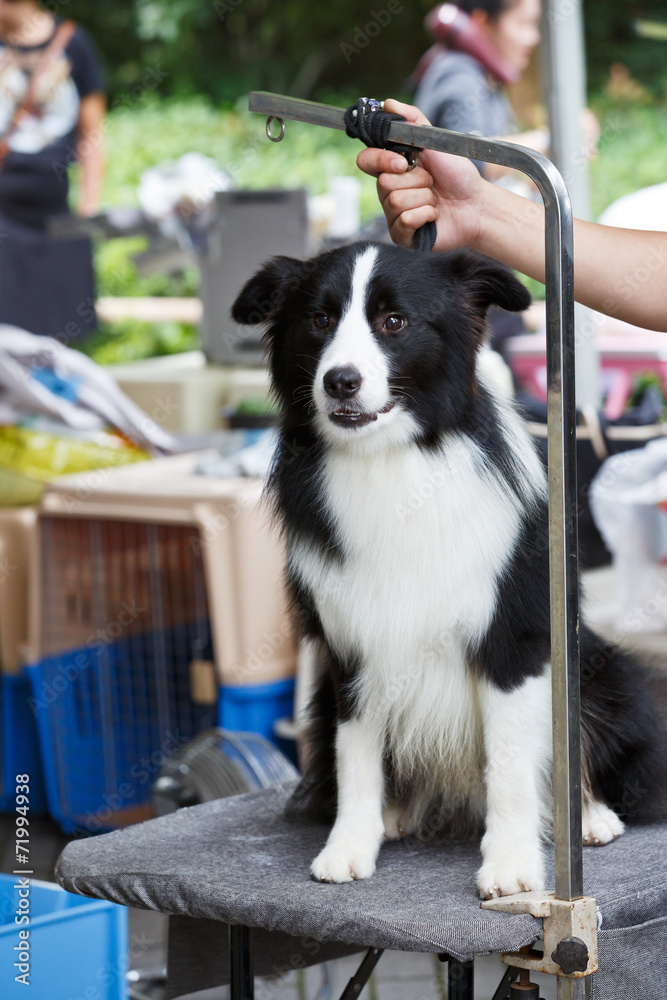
x: 369, y: 122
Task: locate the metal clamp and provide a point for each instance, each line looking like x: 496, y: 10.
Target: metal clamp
x: 570, y: 933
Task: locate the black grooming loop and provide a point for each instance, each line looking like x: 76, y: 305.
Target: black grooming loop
x: 368, y: 121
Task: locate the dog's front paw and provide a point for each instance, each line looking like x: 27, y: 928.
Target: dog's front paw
x: 343, y: 862
x: 600, y: 825
x: 511, y: 873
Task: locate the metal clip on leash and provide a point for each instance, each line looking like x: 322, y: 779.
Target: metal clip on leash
x: 369, y: 122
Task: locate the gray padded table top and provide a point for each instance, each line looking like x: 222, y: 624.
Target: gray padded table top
x: 238, y: 860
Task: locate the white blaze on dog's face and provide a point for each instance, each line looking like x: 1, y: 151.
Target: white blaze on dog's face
x: 351, y: 389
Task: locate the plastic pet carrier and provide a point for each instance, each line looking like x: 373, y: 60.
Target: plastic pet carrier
x: 158, y: 590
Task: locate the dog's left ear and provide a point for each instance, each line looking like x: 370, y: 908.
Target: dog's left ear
x: 262, y: 296
x: 488, y: 283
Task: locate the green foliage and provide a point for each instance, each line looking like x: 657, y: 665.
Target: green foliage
x: 117, y: 274
x: 224, y: 48
x: 642, y: 383
x: 611, y: 37
x: 156, y: 130
x: 633, y: 151
x: 255, y: 406
x: 130, y: 340
x: 204, y: 55
x: 163, y: 130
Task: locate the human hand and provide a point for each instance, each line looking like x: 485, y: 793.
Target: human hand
x: 444, y: 188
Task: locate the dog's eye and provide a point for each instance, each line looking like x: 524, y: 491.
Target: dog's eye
x: 393, y: 323
x: 321, y: 321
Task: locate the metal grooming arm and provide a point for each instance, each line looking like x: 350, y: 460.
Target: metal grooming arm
x: 561, y: 475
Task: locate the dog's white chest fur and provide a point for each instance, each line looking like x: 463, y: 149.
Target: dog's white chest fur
x: 425, y: 538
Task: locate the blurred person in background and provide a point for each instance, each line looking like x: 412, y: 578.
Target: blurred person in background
x: 488, y: 44
x: 52, y: 107
x: 464, y: 90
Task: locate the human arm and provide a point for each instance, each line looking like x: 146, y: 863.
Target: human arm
x: 617, y: 271
x: 90, y: 151
x: 536, y: 139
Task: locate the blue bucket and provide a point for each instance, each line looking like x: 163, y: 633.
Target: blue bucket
x: 254, y: 708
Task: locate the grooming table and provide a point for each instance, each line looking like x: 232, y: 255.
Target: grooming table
x: 239, y: 861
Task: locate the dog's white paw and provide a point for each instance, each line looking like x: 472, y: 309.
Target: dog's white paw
x: 395, y: 823
x: 600, y: 824
x: 504, y: 875
x: 344, y: 862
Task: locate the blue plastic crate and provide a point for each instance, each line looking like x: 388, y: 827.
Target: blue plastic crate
x: 19, y: 752
x: 254, y: 708
x: 78, y: 947
x: 108, y: 716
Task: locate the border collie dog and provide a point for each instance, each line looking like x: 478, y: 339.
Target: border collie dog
x: 415, y: 515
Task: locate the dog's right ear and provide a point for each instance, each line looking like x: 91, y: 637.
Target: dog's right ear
x: 262, y: 296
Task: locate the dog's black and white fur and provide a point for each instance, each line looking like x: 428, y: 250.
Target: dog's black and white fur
x: 414, y: 509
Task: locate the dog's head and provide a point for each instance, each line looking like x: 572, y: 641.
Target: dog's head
x: 374, y: 342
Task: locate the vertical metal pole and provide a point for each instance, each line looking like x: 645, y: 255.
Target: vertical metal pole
x: 573, y: 989
x: 563, y: 63
x: 242, y: 979
x: 563, y: 562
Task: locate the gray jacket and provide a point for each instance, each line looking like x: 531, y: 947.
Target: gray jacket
x: 457, y: 93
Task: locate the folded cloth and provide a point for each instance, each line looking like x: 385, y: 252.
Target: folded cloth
x: 40, y: 375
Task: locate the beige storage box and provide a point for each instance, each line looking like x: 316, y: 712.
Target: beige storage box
x: 184, y: 394
x: 150, y: 548
x: 180, y: 391
x: 17, y: 540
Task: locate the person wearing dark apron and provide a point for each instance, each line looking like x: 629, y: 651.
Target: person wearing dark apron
x: 51, y: 112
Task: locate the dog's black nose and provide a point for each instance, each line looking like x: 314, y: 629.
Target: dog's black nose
x: 342, y: 383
